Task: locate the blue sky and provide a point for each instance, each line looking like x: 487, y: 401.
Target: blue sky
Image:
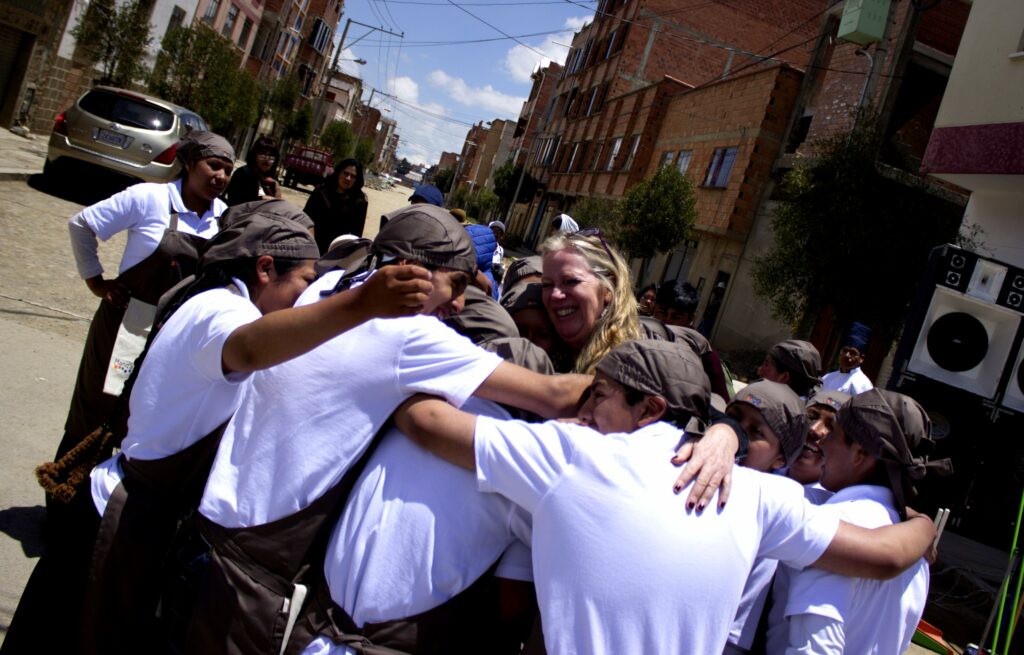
x: 442, y: 87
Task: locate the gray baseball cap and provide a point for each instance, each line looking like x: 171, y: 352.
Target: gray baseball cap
x: 800, y: 358
x: 482, y: 318
x: 782, y: 410
x: 661, y: 368
x: 831, y: 399
x: 896, y: 430
x: 427, y: 234
x: 519, y: 269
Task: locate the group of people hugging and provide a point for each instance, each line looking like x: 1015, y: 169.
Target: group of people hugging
x: 359, y: 451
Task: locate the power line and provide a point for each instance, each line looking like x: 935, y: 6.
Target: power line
x: 498, y: 30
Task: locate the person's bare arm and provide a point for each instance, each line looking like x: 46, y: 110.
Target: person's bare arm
x: 550, y: 396
x: 440, y: 428
x: 881, y: 553
x: 282, y: 335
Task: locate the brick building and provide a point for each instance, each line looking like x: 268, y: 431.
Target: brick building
x: 41, y: 71
x: 235, y: 20
x: 736, y: 94
x: 449, y: 161
x: 295, y: 37
x: 528, y: 125
x: 471, y: 156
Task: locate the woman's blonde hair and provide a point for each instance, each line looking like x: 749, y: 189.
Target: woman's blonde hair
x: 620, y: 321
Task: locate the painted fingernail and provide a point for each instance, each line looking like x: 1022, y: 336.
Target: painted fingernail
x: 676, y: 488
x: 689, y: 506
x: 700, y: 508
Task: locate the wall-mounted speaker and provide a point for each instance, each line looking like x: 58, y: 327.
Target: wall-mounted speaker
x: 1013, y: 396
x: 964, y: 342
x: 965, y: 324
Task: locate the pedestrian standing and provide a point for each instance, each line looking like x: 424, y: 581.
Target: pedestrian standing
x: 338, y: 206
x: 165, y: 224
x: 258, y: 178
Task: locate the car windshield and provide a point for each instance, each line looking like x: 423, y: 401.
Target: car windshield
x: 128, y: 111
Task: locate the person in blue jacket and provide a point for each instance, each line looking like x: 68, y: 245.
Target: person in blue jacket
x: 485, y: 243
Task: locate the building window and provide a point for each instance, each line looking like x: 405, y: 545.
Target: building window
x: 666, y: 159
x: 721, y: 166
x: 633, y: 145
x: 611, y: 44
x: 177, y: 19
x: 581, y: 164
x: 243, y: 38
x: 549, y: 156
x: 229, y: 22
x: 211, y: 11
x: 569, y: 97
x: 613, y: 152
x: 320, y: 36
x: 683, y: 162
x: 572, y: 158
x: 595, y: 162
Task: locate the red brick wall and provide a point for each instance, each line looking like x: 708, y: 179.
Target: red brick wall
x: 448, y: 160
x: 942, y: 26
x: 749, y: 112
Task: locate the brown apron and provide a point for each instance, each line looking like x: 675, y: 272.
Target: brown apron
x: 465, y: 624
x: 174, y: 259
x: 249, y: 592
x: 135, y: 535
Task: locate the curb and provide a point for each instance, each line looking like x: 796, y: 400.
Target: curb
x: 17, y: 176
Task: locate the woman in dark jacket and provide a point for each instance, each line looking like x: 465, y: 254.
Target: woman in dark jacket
x: 258, y: 178
x: 338, y: 206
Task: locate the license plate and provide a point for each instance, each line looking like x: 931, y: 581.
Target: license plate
x: 111, y: 138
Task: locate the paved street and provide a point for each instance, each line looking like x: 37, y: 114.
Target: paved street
x: 44, y: 314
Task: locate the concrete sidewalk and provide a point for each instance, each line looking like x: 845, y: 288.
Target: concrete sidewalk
x: 21, y: 157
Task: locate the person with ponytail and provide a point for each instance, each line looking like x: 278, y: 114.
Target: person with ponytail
x: 214, y: 330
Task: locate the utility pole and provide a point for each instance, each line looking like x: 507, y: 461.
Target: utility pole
x: 341, y: 47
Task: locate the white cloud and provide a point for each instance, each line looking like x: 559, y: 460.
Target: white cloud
x: 422, y: 137
x: 405, y: 88
x: 520, y: 61
x: 486, y: 97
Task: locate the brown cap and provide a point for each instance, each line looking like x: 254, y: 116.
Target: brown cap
x: 831, y: 399
x: 344, y: 255
x: 267, y: 207
x: 661, y: 368
x: 801, y: 359
x: 520, y: 268
x: 482, y: 318
x: 525, y: 296
x: 896, y: 430
x: 782, y: 410
x: 198, y: 145
x: 255, y: 234
x: 521, y: 352
x: 427, y: 234
x: 459, y: 214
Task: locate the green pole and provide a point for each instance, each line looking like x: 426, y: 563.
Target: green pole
x: 1016, y: 593
x: 1006, y: 587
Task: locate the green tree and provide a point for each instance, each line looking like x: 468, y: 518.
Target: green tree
x: 506, y: 178
x: 599, y: 212
x: 404, y: 166
x: 364, y: 151
x: 443, y: 179
x: 339, y: 139
x: 115, y: 38
x: 199, y: 69
x: 481, y: 203
x: 284, y: 97
x: 848, y: 235
x: 656, y: 214
x: 300, y: 126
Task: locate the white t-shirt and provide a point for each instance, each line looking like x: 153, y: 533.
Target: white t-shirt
x: 181, y: 394
x: 416, y: 532
x: 853, y: 383
x: 872, y: 616
x: 301, y: 424
x: 619, y: 564
x: 144, y: 210
x: 759, y: 585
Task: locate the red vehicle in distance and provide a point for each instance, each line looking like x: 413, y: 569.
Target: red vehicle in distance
x: 307, y: 165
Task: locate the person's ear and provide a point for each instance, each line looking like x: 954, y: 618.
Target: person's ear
x: 784, y: 378
x: 654, y: 408
x: 265, y: 273
x: 778, y: 462
x: 863, y: 461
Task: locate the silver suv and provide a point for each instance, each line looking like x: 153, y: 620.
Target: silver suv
x: 124, y: 131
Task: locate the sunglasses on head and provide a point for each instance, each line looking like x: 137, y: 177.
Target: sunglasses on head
x: 596, y: 232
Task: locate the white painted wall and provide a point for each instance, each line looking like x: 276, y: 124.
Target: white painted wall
x: 986, y: 85
x: 1001, y: 216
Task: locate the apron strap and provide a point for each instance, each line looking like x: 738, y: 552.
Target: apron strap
x: 172, y: 223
